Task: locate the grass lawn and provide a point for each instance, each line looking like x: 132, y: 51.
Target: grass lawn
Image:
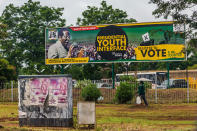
x: 112, y: 117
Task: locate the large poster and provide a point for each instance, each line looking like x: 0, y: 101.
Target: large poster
x: 45, y: 100
x: 54, y: 91
x: 156, y: 41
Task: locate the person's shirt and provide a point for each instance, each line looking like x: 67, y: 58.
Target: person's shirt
x: 141, y: 90
x: 57, y: 50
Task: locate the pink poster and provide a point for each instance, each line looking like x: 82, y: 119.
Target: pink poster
x: 38, y: 90
x: 55, y: 90
x: 58, y: 92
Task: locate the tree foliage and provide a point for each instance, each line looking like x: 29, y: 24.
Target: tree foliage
x: 183, y: 12
x: 92, y: 71
x: 3, y: 34
x: 90, y: 92
x: 125, y: 92
x: 3, y: 31
x: 7, y: 71
x: 178, y: 10
x: 126, y: 78
x: 76, y: 71
x: 83, y: 83
x: 26, y: 26
x: 103, y: 15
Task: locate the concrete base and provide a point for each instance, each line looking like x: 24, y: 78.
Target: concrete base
x: 46, y: 122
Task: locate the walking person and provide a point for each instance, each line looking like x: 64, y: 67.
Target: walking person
x: 141, y: 92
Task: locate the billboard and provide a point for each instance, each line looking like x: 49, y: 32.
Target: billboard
x: 137, y: 42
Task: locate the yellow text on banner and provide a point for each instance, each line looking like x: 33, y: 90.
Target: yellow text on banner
x: 67, y: 60
x: 160, y: 52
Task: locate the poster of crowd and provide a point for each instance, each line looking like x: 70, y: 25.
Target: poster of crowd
x: 151, y: 41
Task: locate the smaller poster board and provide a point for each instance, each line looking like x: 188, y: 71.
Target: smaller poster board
x: 86, y: 113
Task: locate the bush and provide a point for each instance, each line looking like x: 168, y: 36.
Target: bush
x: 128, y: 78
x: 82, y: 83
x: 90, y: 92
x: 125, y: 92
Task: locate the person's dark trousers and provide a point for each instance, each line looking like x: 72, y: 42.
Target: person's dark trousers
x: 144, y: 99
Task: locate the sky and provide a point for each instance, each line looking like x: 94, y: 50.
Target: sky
x: 140, y: 10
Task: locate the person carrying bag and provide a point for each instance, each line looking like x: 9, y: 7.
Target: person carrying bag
x: 141, y: 93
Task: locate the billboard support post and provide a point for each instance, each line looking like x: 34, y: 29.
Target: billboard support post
x: 113, y: 79
x: 187, y: 75
x: 168, y: 73
x: 62, y: 69
x: 12, y: 97
x: 187, y: 84
x: 156, y: 90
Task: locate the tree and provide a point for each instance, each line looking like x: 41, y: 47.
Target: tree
x: 3, y: 31
x: 90, y: 92
x: 92, y: 71
x: 76, y: 71
x: 7, y: 72
x: 26, y: 26
x: 124, y: 93
x: 178, y: 9
x: 3, y: 34
x: 192, y: 53
x: 103, y: 15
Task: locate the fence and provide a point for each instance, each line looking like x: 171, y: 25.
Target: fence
x: 9, y: 93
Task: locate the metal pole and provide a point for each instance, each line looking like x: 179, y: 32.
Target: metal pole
x: 186, y: 68
x: 127, y: 68
x: 12, y: 97
x: 113, y: 80
x: 156, y: 88
x: 62, y: 69
x: 136, y: 69
x: 168, y: 74
x: 187, y: 85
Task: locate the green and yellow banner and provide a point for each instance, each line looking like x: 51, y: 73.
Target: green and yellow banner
x: 150, y: 41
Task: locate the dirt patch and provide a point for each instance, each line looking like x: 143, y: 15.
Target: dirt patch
x: 120, y: 127
x: 8, y: 119
x: 136, y: 108
x: 155, y: 108
x: 162, y: 118
x: 159, y: 118
x: 183, y: 107
x: 107, y: 106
